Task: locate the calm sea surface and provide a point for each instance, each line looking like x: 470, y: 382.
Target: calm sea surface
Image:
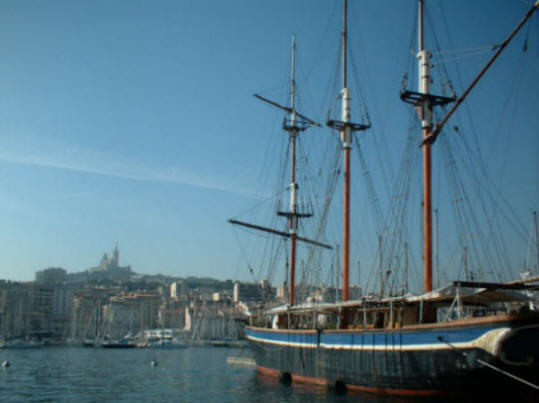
x: 198, y: 374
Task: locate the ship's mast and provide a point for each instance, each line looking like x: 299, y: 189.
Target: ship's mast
x: 424, y: 101
x: 423, y: 57
x: 293, y: 123
x: 293, y: 216
x: 346, y: 139
x: 346, y: 129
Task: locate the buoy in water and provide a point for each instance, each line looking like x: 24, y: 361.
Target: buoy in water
x: 153, y: 363
x: 5, y: 364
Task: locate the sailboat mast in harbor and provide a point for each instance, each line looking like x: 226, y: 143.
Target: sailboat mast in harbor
x: 293, y: 123
x: 293, y: 129
x: 425, y: 102
x: 346, y: 129
x: 423, y: 57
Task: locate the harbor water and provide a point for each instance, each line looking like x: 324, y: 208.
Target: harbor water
x: 197, y: 374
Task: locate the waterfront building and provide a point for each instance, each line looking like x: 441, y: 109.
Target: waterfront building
x: 51, y: 276
x: 173, y: 318
x: 15, y: 303
x: 134, y: 311
x: 282, y: 292
x: 88, y: 303
x: 177, y: 289
x: 222, y: 296
x: 62, y: 310
x: 253, y: 292
x: 214, y: 320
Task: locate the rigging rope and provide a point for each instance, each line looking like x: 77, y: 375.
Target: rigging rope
x: 371, y: 191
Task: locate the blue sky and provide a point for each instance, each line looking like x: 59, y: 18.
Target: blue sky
x: 133, y: 121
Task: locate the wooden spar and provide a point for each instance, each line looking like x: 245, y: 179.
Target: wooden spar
x: 346, y: 129
x: 293, y: 124
x: 292, y: 290
x: 425, y: 103
x: 431, y: 137
x: 536, y: 241
x: 381, y: 266
x: 277, y: 232
x: 525, y: 280
x: 494, y: 286
x: 287, y: 109
x: 405, y: 268
x: 346, y: 136
x: 426, y: 124
x: 427, y: 214
x: 437, y: 255
x: 346, y: 234
x: 293, y: 219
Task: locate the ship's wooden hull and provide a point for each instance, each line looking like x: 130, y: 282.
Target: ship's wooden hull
x: 418, y: 360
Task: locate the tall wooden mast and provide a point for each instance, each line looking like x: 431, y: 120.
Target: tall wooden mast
x: 346, y: 129
x: 346, y: 139
x: 293, y: 123
x: 425, y: 112
x: 293, y: 213
x: 425, y: 102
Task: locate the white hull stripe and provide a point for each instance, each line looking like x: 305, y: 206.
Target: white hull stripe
x: 488, y: 342
x: 282, y: 343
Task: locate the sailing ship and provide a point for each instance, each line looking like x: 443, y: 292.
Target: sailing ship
x: 462, y: 337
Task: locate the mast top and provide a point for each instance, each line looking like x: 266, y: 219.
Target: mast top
x: 345, y: 125
x: 344, y: 43
x: 295, y: 122
x: 293, y: 83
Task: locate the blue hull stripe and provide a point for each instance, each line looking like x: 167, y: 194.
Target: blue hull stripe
x: 382, y: 340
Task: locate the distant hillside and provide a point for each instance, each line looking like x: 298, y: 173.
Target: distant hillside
x: 153, y: 280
